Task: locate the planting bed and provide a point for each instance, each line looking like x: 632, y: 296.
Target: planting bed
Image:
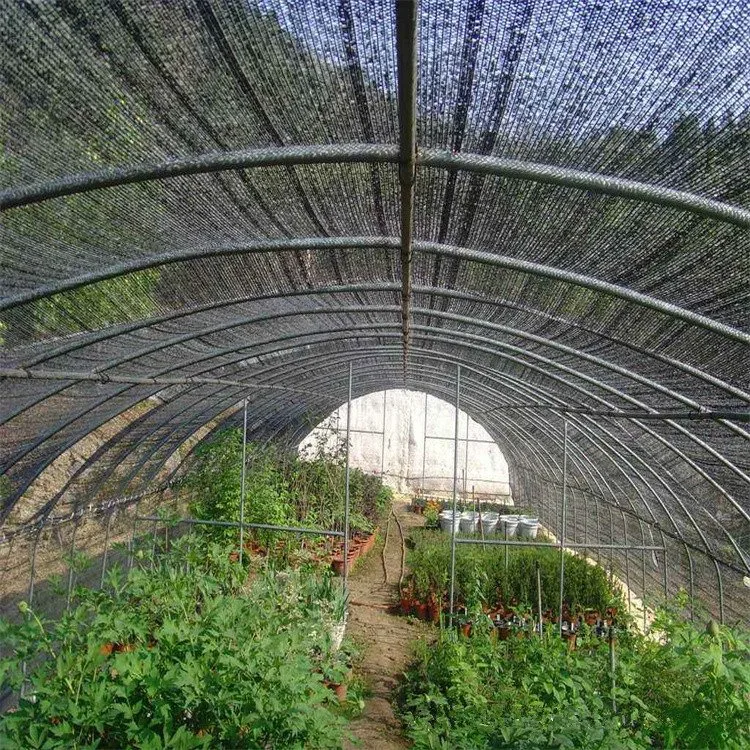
x: 690, y: 690
x: 185, y: 651
x: 504, y: 586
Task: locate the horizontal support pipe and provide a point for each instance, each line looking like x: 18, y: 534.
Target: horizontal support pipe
x: 737, y: 415
x: 386, y: 244
x: 358, y: 153
x: 235, y: 525
x: 556, y: 545
x: 96, y: 377
x: 460, y: 440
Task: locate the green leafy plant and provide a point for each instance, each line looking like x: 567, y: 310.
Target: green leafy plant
x: 164, y: 658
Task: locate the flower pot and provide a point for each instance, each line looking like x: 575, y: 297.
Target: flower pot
x: 449, y: 523
x: 421, y: 610
x: 571, y: 639
x: 528, y: 527
x: 433, y: 612
x: 234, y: 557
x: 465, y: 629
x: 488, y: 523
x: 337, y: 565
x: 469, y: 521
x: 503, y: 632
x: 507, y: 525
x: 406, y: 604
x: 591, y: 617
x: 106, y: 648
x: 340, y: 690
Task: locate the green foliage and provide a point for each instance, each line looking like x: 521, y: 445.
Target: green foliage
x: 167, y: 658
x: 530, y: 692
x: 98, y: 305
x: 482, y: 578
x: 280, y: 489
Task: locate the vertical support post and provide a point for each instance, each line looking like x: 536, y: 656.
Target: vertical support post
x: 721, y: 591
x: 466, y: 460
x: 538, y: 596
x: 691, y: 582
x: 243, y: 480
x: 30, y: 599
x: 71, y: 568
x: 346, y: 492
x: 627, y: 558
x: 455, y: 494
x: 382, y: 445
x: 424, y: 443
x: 612, y: 673
x: 611, y: 551
x: 643, y: 574
x: 666, y: 579
x: 153, y: 544
x: 562, y: 523
x: 505, y: 531
x: 106, y: 549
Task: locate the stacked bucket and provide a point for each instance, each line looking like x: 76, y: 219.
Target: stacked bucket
x: 469, y: 522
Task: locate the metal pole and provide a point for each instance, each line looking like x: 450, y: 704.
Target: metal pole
x: 266, y: 526
x: 643, y: 575
x: 691, y: 582
x: 30, y: 599
x: 455, y: 495
x: 612, y: 667
x: 627, y: 559
x: 424, y: 442
x: 71, y: 572
x: 666, y: 579
x: 721, y: 591
x: 562, y: 523
x: 346, y: 494
x: 505, y: 532
x: 466, y: 457
x: 538, y: 597
x: 106, y: 549
x: 242, y: 480
x: 382, y: 445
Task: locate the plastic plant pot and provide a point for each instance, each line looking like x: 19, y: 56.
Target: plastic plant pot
x: 468, y: 522
x: 528, y: 527
x: 421, y: 610
x: 449, y: 524
x: 489, y: 522
x: 507, y: 525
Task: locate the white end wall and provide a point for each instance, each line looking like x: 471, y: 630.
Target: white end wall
x: 404, y: 455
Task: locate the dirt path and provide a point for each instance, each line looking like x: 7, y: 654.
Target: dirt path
x: 387, y: 638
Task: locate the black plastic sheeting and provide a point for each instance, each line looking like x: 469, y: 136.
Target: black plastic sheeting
x: 202, y: 203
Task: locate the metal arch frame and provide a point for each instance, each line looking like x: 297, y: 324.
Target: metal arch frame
x: 222, y: 328
x: 342, y: 289
x: 576, y: 374
x: 651, y: 523
x: 568, y: 384
x: 373, y: 154
x: 86, y: 340
x: 384, y: 243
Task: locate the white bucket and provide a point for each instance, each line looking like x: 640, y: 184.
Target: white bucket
x: 448, y: 523
x: 489, y: 522
x: 469, y: 521
x: 528, y: 527
x: 507, y: 524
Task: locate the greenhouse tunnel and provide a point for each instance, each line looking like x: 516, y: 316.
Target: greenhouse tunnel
x: 544, y: 207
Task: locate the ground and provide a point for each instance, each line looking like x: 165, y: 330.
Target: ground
x: 386, y: 637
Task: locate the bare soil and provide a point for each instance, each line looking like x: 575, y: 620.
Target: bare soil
x: 387, y: 637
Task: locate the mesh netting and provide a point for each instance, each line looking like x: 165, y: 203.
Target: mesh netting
x: 204, y: 201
